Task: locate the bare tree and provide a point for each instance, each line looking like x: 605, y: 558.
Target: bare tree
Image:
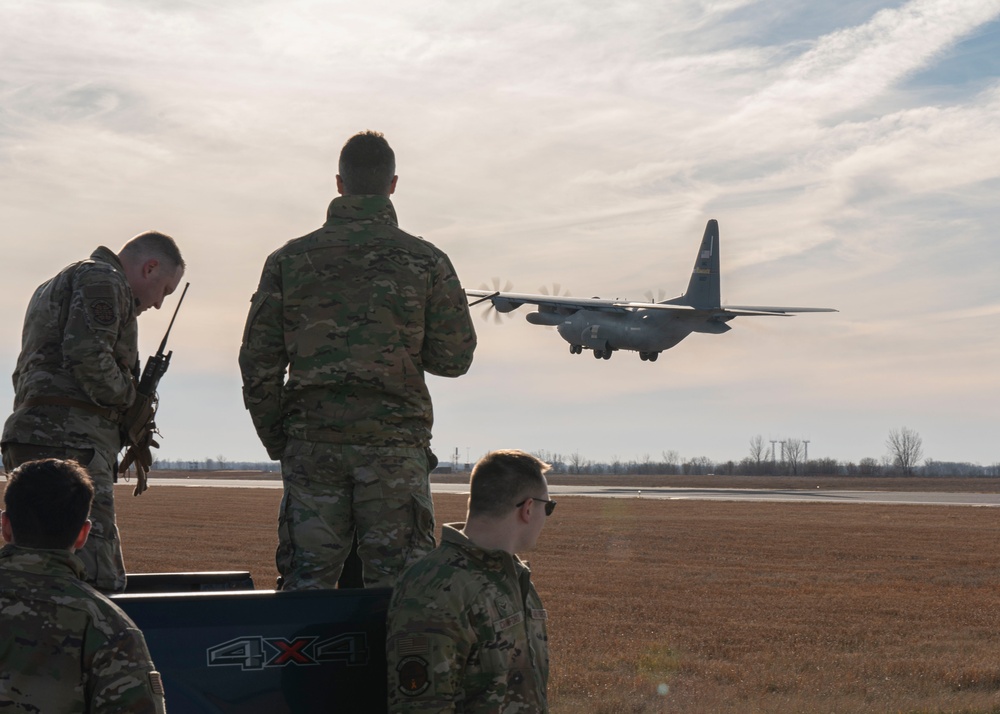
x: 758, y: 453
x: 869, y: 467
x: 576, y: 462
x: 793, y: 454
x: 905, y: 449
x: 699, y: 466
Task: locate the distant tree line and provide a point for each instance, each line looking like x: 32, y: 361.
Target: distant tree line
x: 904, y: 451
x: 219, y: 463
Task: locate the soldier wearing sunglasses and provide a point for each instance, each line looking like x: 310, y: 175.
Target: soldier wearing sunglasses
x: 466, y: 628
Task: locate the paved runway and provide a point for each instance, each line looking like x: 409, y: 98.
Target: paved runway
x: 672, y: 493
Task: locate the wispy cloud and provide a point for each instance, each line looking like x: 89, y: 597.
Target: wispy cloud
x: 573, y: 142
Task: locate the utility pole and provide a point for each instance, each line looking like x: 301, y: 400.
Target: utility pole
x: 774, y: 464
x: 806, y: 442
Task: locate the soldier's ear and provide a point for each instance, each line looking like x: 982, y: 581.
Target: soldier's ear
x: 149, y: 266
x: 81, y: 537
x: 524, y: 511
x: 392, y: 185
x: 8, y: 533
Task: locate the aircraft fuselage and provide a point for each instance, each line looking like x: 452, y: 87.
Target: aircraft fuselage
x: 639, y: 330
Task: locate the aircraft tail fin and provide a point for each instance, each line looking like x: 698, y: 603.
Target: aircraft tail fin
x: 703, y: 289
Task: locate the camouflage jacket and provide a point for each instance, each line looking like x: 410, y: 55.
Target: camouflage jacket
x: 466, y: 633
x: 66, y: 648
x: 356, y: 312
x: 80, y: 341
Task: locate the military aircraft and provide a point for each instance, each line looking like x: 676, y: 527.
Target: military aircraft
x: 606, y: 326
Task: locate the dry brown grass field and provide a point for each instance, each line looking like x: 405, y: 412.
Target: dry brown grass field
x: 688, y: 606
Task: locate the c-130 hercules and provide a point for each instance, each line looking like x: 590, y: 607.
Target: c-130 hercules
x: 606, y: 326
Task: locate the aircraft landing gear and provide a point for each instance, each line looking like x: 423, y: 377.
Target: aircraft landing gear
x: 598, y: 354
x: 575, y: 349
x: 648, y: 356
x: 607, y: 353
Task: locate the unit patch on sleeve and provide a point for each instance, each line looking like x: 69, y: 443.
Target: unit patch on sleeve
x: 102, y: 312
x: 413, y: 679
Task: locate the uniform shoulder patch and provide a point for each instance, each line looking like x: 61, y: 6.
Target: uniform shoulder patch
x: 413, y: 677
x: 98, y: 290
x: 102, y: 312
x: 412, y: 645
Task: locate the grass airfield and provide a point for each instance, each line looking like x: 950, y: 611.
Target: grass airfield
x: 697, y: 606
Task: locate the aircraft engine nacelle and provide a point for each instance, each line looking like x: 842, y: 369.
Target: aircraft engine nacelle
x: 505, y: 305
x: 544, y: 318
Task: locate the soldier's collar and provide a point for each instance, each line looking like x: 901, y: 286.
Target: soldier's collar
x: 43, y: 560
x: 496, y: 559
x: 362, y: 208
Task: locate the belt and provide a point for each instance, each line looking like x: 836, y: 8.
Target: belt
x: 106, y: 412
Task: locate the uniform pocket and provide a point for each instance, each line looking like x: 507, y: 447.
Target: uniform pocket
x: 258, y: 301
x: 422, y: 539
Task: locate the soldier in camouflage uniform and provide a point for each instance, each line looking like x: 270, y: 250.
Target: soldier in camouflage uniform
x: 65, y: 647
x: 75, y: 376
x: 466, y: 628
x: 342, y: 328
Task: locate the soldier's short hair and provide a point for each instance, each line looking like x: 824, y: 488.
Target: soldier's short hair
x: 47, y: 502
x: 503, y: 478
x: 153, y: 244
x: 367, y: 164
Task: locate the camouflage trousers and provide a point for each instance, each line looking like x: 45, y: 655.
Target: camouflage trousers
x: 102, y: 553
x: 332, y: 489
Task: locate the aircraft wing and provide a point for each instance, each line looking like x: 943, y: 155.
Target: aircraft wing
x: 757, y: 309
x: 738, y: 310
x: 514, y: 300
x: 505, y: 302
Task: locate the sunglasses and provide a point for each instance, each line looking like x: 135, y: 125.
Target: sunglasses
x: 550, y: 505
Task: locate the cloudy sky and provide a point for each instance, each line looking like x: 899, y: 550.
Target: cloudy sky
x: 848, y: 150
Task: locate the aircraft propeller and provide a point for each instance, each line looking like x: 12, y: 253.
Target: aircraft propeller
x: 661, y: 295
x: 490, y: 307
x: 556, y: 291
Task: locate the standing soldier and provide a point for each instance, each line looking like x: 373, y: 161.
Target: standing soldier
x: 355, y: 313
x: 66, y: 647
x: 75, y: 378
x: 466, y: 628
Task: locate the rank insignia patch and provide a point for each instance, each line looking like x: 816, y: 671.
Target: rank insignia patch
x: 502, y: 605
x: 413, y: 679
